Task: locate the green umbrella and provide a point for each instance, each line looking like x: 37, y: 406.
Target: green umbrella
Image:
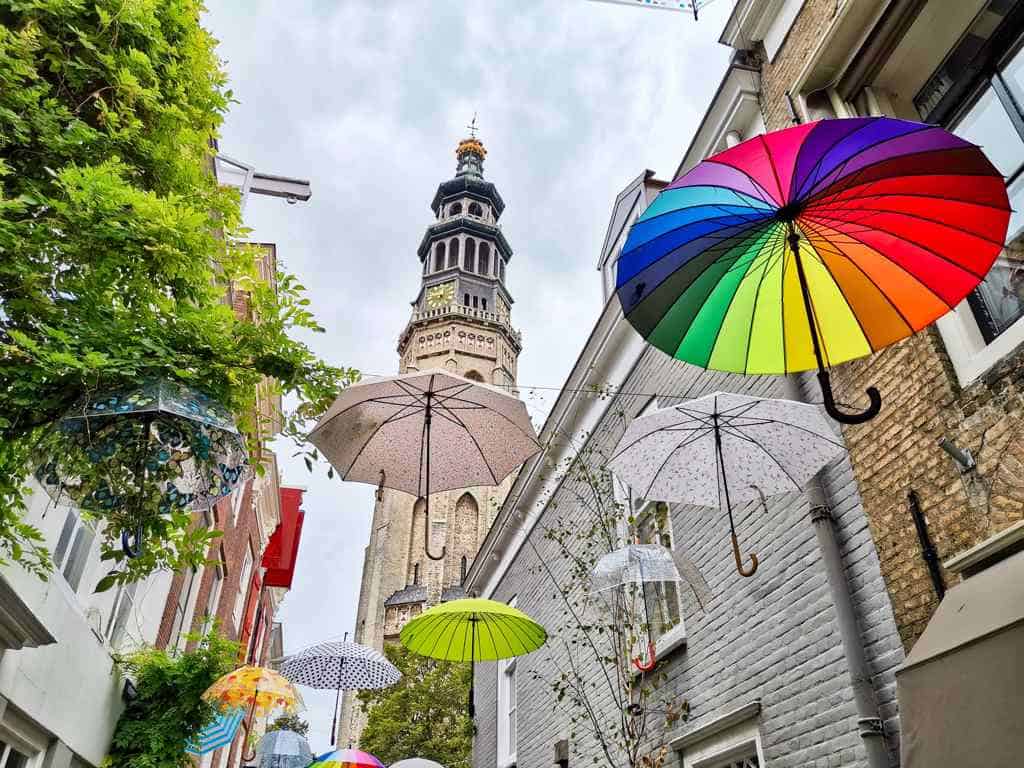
x: 473, y: 629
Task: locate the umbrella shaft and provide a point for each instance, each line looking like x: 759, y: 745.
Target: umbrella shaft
x: 794, y: 245
x: 721, y: 469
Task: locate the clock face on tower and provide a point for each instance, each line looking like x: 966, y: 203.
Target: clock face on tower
x: 441, y: 295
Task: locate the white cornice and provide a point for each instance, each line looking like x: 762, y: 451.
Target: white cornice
x: 719, y: 724
x: 749, y: 22
x: 19, y: 627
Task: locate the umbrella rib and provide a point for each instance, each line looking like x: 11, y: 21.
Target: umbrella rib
x: 838, y: 251
x: 501, y: 415
x: 390, y: 420
x: 756, y: 184
x: 822, y: 154
x: 921, y: 195
x: 678, y: 447
x: 476, y: 443
x: 720, y: 208
x: 821, y: 217
x: 777, y: 248
x: 846, y: 300
x: 789, y: 425
x: 766, y: 452
x: 810, y: 191
x: 871, y: 212
x: 639, y: 439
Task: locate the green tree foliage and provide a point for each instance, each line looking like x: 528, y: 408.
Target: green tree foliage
x: 423, y: 715
x: 168, y: 708
x: 117, y: 245
x: 289, y: 723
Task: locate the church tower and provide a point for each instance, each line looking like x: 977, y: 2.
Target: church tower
x: 460, y: 322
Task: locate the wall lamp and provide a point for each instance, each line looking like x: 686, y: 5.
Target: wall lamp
x: 962, y: 456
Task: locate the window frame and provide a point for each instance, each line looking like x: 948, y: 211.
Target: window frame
x: 972, y: 347
x: 72, y: 560
x: 120, y: 613
x: 506, y: 743
x: 244, y: 577
x: 213, y: 596
x: 723, y: 747
x: 671, y: 638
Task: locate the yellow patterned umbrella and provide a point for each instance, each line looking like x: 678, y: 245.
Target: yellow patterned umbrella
x: 259, y: 690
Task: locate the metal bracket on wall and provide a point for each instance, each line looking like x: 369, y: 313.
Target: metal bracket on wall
x: 870, y: 726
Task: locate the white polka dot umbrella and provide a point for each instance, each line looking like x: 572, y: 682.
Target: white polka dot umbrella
x: 724, y: 449
x: 341, y: 666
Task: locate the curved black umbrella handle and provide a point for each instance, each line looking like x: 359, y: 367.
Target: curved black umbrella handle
x: 848, y: 418
x: 132, y: 549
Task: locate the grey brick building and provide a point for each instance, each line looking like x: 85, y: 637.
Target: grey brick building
x: 768, y: 678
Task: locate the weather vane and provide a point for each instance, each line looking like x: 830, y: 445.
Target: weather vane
x: 472, y: 127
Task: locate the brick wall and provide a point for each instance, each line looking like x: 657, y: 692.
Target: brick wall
x: 922, y: 402
x: 772, y: 636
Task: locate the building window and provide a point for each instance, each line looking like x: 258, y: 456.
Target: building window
x: 475, y: 209
x: 243, y: 588
x: 463, y: 568
x: 213, y: 599
x: 465, y: 299
x: 415, y: 573
x: 11, y: 758
x: 661, y: 599
x: 236, y: 503
x: 501, y: 269
x: 455, y: 210
x: 453, y: 254
x: 439, y: 257
x: 508, y: 705
x: 484, y: 262
x: 476, y: 302
x: 120, y: 611
x: 483, y: 303
x: 183, y: 608
x: 470, y: 260
x: 727, y: 745
x: 72, y: 550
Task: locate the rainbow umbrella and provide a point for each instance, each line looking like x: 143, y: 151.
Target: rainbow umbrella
x: 346, y: 758
x: 812, y: 246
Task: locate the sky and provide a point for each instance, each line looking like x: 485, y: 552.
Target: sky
x: 367, y: 100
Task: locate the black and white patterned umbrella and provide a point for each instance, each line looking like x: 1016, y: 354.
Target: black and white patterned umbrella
x: 341, y: 666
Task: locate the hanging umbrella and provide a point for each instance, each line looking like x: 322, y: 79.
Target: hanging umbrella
x: 217, y: 734
x: 425, y: 432
x: 636, y: 564
x: 812, y: 246
x: 159, y: 447
x: 346, y: 758
x: 472, y: 629
x: 416, y: 762
x: 283, y: 749
x: 257, y: 689
x: 758, y: 447
x: 340, y: 666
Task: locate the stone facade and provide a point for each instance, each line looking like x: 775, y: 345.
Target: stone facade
x: 461, y: 324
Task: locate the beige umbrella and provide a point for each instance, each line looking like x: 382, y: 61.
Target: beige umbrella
x: 425, y: 432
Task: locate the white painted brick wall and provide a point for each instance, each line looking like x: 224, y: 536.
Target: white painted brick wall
x: 772, y: 637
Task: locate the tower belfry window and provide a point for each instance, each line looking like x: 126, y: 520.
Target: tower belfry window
x: 476, y: 302
x: 470, y: 259
x: 484, y: 260
x: 475, y: 209
x: 501, y: 269
x: 439, y: 257
x: 453, y: 254
x: 455, y: 210
x: 465, y: 299
x: 416, y: 573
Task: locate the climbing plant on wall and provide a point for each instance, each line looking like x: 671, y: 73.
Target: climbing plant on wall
x: 117, y: 245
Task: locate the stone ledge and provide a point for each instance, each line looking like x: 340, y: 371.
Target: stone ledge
x: 719, y: 724
x: 967, y: 562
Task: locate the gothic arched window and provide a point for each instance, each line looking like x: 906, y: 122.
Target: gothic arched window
x: 484, y: 261
x: 416, y: 573
x: 470, y: 259
x: 466, y: 534
x: 463, y: 567
x: 475, y: 209
x: 474, y: 376
x: 455, y: 210
x: 453, y: 254
x: 439, y: 257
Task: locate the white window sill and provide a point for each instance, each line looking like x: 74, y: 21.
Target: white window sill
x: 970, y: 355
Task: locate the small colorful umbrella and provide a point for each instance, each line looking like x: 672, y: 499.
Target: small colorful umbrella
x: 636, y: 564
x: 472, y: 629
x: 812, y: 246
x: 159, y: 447
x: 340, y: 666
x: 416, y: 762
x: 346, y: 758
x: 217, y: 734
x: 283, y: 749
x: 385, y: 431
x: 757, y: 446
x: 259, y: 690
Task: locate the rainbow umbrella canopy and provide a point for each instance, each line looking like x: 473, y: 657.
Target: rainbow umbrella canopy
x: 814, y: 245
x: 346, y: 758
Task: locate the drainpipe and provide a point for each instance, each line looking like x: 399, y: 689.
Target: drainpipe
x: 868, y: 719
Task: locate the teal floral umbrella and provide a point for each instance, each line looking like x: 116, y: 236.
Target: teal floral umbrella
x: 131, y: 453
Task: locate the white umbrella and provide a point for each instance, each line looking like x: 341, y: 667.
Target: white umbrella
x: 724, y: 449
x: 425, y: 432
x: 416, y: 762
x: 341, y: 666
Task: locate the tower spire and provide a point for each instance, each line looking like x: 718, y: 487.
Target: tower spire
x: 470, y: 153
